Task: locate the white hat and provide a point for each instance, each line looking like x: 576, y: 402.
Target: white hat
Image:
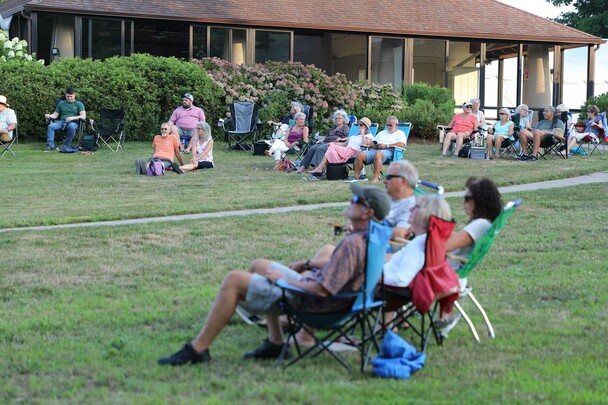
x: 3, y: 101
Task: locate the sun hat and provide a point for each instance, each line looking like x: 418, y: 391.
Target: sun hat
x: 3, y: 101
x: 365, y: 121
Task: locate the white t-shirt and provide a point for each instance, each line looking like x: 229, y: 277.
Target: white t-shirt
x: 476, y: 229
x: 400, y: 212
x: 385, y: 138
x: 406, y: 263
x: 355, y: 141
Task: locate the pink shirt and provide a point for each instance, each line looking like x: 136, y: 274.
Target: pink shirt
x: 187, y: 119
x: 464, y: 125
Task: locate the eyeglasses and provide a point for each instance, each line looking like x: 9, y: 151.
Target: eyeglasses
x: 164, y: 129
x: 502, y: 114
x: 468, y: 198
x: 358, y: 200
x: 390, y: 125
x: 392, y: 176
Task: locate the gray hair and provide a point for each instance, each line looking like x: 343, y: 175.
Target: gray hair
x: 428, y: 205
x: 506, y: 111
x: 341, y: 113
x: 519, y: 107
x: 206, y: 130
x: 298, y: 115
x: 474, y: 100
x: 562, y: 108
x: 392, y: 118
x: 296, y: 105
x: 407, y: 170
x: 550, y: 109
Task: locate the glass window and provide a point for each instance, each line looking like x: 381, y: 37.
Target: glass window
x: 501, y: 75
x: 162, y: 38
x: 574, y: 88
x: 272, y: 45
x: 463, y: 70
x: 333, y: 52
x: 101, y: 39
x: 199, y: 41
x: 229, y: 44
x: 429, y: 61
x: 45, y: 35
x: 387, y: 61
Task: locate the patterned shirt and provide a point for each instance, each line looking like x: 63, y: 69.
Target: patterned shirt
x: 8, y: 117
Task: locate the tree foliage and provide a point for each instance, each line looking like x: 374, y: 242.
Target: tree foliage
x: 590, y: 16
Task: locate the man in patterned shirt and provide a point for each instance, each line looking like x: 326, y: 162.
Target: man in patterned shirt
x: 256, y: 292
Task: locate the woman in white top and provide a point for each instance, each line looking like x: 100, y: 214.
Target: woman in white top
x: 202, y: 142
x: 482, y: 204
x: 500, y: 131
x: 339, y: 153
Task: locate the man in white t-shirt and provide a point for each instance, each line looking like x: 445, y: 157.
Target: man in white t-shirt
x: 380, y: 149
x: 400, y: 182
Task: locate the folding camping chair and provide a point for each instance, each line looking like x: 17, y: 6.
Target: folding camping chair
x: 8, y: 146
x: 111, y: 128
x: 82, y: 123
x: 361, y: 318
x: 589, y: 144
x: 241, y: 127
x: 434, y: 288
x: 479, y: 252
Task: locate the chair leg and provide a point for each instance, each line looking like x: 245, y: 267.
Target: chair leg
x: 468, y: 320
x: 485, y: 316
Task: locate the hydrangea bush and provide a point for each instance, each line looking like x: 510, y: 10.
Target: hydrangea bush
x: 273, y: 84
x: 15, y: 49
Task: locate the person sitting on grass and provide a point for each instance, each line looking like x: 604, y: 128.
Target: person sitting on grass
x: 256, y: 291
x: 166, y: 148
x: 202, y: 144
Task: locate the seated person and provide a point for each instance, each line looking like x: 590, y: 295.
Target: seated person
x: 338, y: 134
x: 400, y: 181
x: 297, y: 132
x: 294, y: 108
x: 403, y: 266
x: 166, y: 148
x: 521, y: 120
x: 186, y: 116
x: 202, y: 144
x: 68, y: 114
x: 593, y: 125
x: 546, y: 133
x: 500, y: 131
x: 482, y: 204
x: 380, y: 149
x: 8, y: 121
x: 256, y: 292
x: 337, y: 152
x: 463, y: 125
x: 483, y: 126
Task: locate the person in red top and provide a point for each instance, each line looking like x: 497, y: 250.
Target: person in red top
x: 462, y: 126
x: 166, y: 148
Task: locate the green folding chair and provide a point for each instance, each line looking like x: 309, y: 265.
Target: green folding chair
x: 479, y: 252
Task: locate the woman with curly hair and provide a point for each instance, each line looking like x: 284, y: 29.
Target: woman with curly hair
x: 482, y: 204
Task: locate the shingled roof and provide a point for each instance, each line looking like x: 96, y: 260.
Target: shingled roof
x: 422, y: 18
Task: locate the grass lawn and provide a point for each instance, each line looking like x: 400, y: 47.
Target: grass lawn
x: 56, y: 188
x: 85, y: 312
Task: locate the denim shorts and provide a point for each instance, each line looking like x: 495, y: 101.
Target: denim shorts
x: 262, y: 294
x: 369, y: 155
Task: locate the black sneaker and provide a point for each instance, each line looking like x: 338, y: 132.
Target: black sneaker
x: 523, y: 157
x: 532, y: 158
x: 49, y: 149
x: 267, y: 351
x: 186, y: 355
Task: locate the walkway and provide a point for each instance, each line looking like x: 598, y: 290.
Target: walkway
x: 601, y: 177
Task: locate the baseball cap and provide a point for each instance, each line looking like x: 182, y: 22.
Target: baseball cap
x: 467, y: 103
x: 189, y: 96
x: 375, y: 198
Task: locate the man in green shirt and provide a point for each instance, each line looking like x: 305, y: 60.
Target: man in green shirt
x: 68, y: 114
x: 547, y: 132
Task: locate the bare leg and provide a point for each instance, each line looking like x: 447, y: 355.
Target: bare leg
x: 538, y: 136
x: 378, y: 159
x: 459, y: 141
x: 524, y: 135
x: 498, y: 143
x: 359, y: 161
x: 489, y: 141
x: 234, y: 288
x: 447, y: 141
x: 188, y: 167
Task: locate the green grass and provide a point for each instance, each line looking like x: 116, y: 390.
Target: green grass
x: 85, y: 312
x: 57, y: 188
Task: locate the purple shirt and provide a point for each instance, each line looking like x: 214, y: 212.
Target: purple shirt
x: 187, y: 119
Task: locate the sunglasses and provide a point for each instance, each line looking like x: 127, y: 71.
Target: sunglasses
x: 503, y: 114
x: 468, y: 197
x: 468, y: 106
x: 392, y: 176
x: 358, y: 200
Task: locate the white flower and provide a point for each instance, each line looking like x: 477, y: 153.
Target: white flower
x: 18, y: 47
x: 11, y: 54
x: 8, y: 45
x: 41, y: 61
x: 19, y: 54
x: 28, y: 57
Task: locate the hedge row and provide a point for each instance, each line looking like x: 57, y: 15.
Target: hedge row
x: 149, y: 88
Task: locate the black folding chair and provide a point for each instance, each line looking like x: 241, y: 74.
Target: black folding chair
x: 110, y: 129
x: 242, y: 126
x: 82, y: 123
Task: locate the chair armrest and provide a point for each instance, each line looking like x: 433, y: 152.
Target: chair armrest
x: 288, y: 287
x: 457, y: 258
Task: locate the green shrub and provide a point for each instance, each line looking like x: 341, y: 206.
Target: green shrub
x: 149, y: 88
x: 426, y: 107
x: 600, y: 101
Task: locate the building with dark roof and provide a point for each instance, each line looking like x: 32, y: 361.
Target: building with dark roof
x: 437, y: 42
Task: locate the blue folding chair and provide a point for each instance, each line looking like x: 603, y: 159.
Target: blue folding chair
x: 362, y: 317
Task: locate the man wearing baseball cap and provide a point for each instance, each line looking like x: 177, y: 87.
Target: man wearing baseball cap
x: 186, y: 116
x: 8, y: 121
x: 256, y: 291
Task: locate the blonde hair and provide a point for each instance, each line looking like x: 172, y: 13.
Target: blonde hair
x: 428, y: 205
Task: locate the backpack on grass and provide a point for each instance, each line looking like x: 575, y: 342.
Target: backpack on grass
x: 155, y: 168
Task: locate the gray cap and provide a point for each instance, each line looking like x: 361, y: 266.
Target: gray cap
x: 375, y: 198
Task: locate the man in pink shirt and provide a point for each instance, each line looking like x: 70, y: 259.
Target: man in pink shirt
x: 186, y: 116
